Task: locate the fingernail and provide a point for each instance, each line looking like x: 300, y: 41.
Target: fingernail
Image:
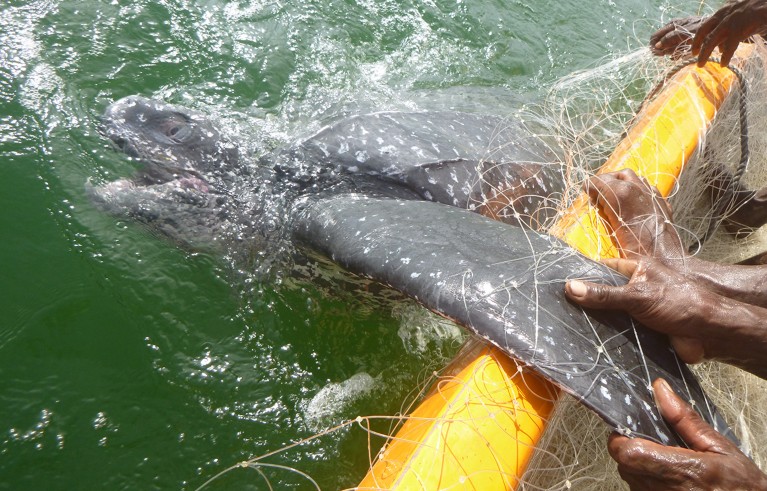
x: 577, y: 288
x: 666, y: 387
x: 662, y: 386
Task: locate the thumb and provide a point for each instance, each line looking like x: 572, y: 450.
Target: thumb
x: 688, y: 424
x: 597, y: 296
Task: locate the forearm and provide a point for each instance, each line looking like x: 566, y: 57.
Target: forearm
x: 746, y: 284
x: 736, y: 333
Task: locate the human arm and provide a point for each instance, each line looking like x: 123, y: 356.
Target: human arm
x: 701, y: 324
x: 711, y: 462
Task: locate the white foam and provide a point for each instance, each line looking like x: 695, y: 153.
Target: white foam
x: 332, y: 399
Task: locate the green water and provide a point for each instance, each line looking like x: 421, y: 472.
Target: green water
x: 126, y: 363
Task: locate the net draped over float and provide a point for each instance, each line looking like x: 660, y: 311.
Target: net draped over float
x: 483, y: 421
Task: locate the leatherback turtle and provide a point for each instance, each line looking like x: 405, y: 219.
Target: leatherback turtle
x: 399, y: 198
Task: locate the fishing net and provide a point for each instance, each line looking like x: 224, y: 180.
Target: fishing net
x: 586, y: 115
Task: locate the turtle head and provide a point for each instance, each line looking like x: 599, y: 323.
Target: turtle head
x: 170, y: 142
x: 188, y: 174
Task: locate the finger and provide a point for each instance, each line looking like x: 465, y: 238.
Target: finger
x: 599, y: 296
x: 728, y: 49
x: 631, y: 177
x: 606, y: 194
x: 596, y: 185
x: 671, y: 42
x: 705, y: 52
x: 703, y: 33
x: 627, y: 175
x: 688, y: 424
x: 663, y: 31
x: 626, y: 267
x: 675, y: 32
x: 636, y: 456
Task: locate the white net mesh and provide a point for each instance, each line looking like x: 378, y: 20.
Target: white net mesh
x: 590, y: 112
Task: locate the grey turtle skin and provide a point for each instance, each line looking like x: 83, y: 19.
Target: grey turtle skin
x: 399, y: 198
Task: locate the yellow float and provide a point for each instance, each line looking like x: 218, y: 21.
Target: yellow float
x: 481, y: 423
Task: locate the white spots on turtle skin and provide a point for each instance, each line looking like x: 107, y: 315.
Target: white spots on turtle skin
x: 388, y: 149
x: 343, y: 148
x: 323, y: 148
x: 627, y: 400
x: 415, y: 275
x: 405, y: 260
x: 419, y: 152
x: 605, y: 393
x: 361, y: 156
x: 485, y: 288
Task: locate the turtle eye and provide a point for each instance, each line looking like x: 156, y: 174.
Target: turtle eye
x: 177, y: 128
x: 179, y: 133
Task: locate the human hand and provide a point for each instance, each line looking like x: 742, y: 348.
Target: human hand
x: 675, y: 37
x: 657, y: 297
x: 711, y: 462
x: 700, y: 323
x: 638, y: 215
x: 736, y: 21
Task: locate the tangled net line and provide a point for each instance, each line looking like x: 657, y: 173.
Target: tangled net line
x: 587, y: 114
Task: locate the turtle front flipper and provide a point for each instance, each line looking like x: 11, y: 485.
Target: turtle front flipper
x: 518, y: 193
x: 506, y: 284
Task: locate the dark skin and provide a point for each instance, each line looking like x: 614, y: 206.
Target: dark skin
x: 641, y: 221
x: 734, y: 22
x: 711, y: 462
x: 699, y: 306
x: 701, y: 324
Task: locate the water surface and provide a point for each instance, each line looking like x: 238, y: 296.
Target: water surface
x: 127, y: 363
